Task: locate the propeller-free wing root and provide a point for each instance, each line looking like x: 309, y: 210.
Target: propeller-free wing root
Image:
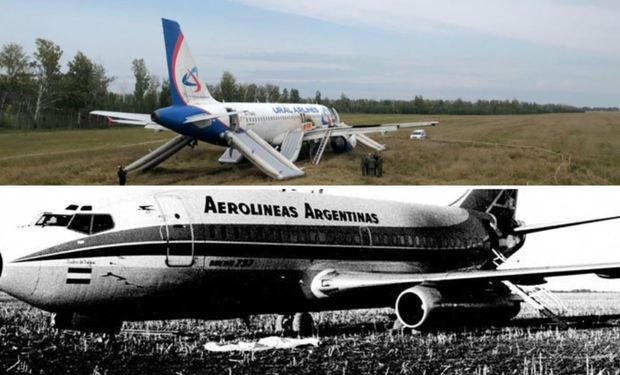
x: 160, y: 154
x: 262, y: 155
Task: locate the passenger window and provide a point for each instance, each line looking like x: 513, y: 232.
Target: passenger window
x: 409, y: 240
x: 321, y: 237
x: 330, y: 237
x: 211, y: 231
x: 81, y: 223
x: 356, y: 239
x: 312, y: 237
x: 101, y: 223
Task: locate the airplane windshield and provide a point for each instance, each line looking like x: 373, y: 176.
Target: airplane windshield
x: 55, y: 220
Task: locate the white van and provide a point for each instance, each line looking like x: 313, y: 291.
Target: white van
x: 418, y: 134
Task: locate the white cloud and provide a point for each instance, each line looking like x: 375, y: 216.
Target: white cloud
x: 585, y: 25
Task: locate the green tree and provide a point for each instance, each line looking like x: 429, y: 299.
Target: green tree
x: 142, y: 78
x: 164, y: 94
x: 228, y: 88
x: 273, y: 93
x: 47, y: 75
x: 15, y: 81
x: 284, y: 98
x: 151, y: 97
x: 317, y: 97
x: 85, y: 84
x: 294, y: 96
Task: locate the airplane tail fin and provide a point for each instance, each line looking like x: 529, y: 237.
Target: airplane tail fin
x: 185, y: 84
x: 501, y: 203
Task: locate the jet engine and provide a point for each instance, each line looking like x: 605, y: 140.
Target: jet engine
x: 340, y: 144
x: 85, y: 323
x: 422, y: 307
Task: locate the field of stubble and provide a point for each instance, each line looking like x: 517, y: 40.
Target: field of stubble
x: 518, y: 149
x: 351, y: 342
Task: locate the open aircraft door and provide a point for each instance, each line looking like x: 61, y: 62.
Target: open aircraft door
x: 177, y: 231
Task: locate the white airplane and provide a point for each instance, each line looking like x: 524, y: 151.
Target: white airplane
x: 226, y: 253
x: 248, y: 130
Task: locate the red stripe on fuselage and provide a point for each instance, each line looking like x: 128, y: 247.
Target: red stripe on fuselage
x: 175, y: 54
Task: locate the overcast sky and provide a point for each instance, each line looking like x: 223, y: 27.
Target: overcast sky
x: 561, y: 51
x: 586, y: 244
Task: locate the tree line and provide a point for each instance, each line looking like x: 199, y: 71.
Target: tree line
x: 37, y: 92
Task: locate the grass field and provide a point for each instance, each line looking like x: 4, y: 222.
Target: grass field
x: 350, y: 343
x: 525, y: 149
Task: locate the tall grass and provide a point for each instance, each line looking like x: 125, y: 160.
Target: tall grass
x: 518, y: 149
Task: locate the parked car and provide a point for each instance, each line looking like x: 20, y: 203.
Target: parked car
x: 418, y: 134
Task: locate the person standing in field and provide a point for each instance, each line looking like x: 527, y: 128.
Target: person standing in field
x: 122, y: 175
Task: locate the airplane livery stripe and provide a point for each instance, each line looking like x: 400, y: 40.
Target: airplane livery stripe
x: 281, y: 241
x: 271, y: 251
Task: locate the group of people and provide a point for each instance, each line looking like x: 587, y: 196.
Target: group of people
x: 372, y: 165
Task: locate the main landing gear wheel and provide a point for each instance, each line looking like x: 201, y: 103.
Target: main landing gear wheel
x: 301, y: 324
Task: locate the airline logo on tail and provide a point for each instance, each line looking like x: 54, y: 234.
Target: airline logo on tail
x: 190, y: 79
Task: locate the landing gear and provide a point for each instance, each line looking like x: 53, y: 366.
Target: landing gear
x: 301, y: 324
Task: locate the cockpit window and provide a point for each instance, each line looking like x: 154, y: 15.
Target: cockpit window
x: 102, y: 223
x: 55, y: 220
x: 91, y: 223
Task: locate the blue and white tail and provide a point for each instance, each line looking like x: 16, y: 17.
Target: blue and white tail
x: 185, y: 85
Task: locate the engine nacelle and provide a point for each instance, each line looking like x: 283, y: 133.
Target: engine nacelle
x: 85, y: 323
x: 340, y: 144
x: 422, y: 307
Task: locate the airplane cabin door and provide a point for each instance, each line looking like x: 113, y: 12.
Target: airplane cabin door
x: 177, y: 231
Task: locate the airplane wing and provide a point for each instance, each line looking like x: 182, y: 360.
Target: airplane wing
x: 333, y: 281
x: 343, y: 129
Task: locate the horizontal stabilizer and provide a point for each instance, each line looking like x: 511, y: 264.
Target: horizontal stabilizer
x: 525, y: 229
x: 262, y: 155
x: 231, y: 156
x: 160, y: 154
x: 125, y: 117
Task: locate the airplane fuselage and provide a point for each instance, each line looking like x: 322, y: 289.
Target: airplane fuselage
x: 229, y: 253
x: 270, y: 121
